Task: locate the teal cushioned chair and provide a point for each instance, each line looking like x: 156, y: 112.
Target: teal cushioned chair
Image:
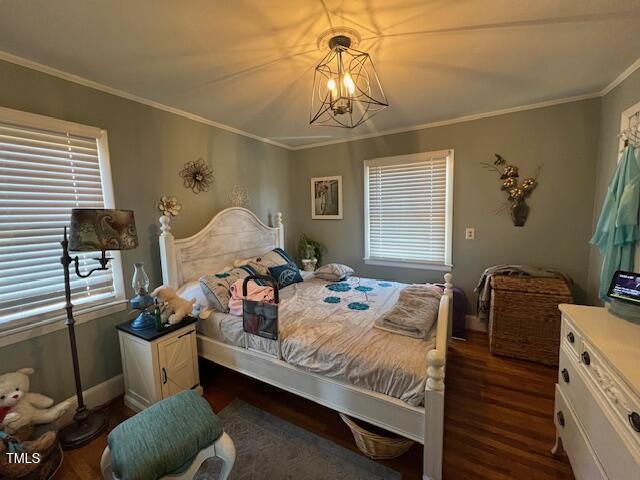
x: 169, y: 440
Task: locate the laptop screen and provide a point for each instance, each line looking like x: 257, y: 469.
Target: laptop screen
x: 625, y: 286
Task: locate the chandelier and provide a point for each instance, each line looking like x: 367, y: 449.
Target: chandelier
x: 346, y: 89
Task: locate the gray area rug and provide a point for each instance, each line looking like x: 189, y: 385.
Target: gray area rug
x: 270, y: 448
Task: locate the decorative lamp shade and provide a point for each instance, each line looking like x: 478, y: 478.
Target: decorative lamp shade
x: 98, y: 229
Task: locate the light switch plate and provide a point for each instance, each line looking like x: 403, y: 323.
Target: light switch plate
x: 470, y: 233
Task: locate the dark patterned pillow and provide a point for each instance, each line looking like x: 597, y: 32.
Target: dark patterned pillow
x: 263, y: 263
x: 286, y: 275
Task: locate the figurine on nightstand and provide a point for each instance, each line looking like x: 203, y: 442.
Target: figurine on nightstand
x: 174, y: 307
x: 157, y: 315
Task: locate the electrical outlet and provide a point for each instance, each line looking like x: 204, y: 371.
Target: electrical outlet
x: 470, y: 233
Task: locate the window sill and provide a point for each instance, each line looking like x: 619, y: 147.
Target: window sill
x: 440, y: 267
x: 53, y: 324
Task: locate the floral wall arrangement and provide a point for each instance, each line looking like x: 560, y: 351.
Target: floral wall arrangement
x: 169, y: 206
x: 239, y: 196
x: 197, y: 176
x: 517, y: 192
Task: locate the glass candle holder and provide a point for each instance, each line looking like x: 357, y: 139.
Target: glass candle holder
x: 140, y: 281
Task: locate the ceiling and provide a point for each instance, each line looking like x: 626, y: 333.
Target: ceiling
x: 249, y: 64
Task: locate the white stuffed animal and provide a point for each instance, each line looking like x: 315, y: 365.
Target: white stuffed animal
x: 20, y: 408
x: 176, y: 306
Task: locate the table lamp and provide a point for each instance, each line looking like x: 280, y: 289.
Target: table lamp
x: 91, y: 230
x: 142, y: 301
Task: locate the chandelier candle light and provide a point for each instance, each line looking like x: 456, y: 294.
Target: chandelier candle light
x: 346, y: 88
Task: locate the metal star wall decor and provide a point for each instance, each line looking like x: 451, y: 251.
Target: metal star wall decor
x: 197, y: 176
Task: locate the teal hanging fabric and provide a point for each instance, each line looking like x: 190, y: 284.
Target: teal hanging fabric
x: 617, y: 231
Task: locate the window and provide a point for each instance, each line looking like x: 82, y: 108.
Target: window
x: 47, y: 167
x: 408, y: 210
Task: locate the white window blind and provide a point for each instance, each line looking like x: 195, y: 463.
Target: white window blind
x: 408, y: 209
x: 43, y: 174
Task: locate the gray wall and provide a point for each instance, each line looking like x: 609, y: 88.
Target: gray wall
x: 148, y: 147
x: 613, y: 104
x: 563, y: 139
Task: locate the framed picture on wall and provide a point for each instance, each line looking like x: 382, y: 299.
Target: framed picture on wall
x: 326, y: 198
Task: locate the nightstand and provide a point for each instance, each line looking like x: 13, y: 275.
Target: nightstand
x: 157, y: 365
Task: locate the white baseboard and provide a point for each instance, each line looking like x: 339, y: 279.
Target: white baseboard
x: 94, y: 397
x: 472, y: 322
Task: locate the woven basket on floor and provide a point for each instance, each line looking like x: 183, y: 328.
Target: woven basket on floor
x: 374, y: 445
x: 524, y: 321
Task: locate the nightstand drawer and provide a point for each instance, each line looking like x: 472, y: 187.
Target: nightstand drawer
x: 570, y: 336
x: 584, y: 462
x: 598, y: 420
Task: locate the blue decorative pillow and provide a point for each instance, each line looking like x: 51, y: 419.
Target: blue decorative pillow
x: 263, y: 263
x: 286, y: 275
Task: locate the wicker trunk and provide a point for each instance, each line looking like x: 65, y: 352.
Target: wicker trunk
x: 524, y: 321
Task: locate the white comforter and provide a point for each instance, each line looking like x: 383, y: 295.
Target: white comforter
x: 327, y: 328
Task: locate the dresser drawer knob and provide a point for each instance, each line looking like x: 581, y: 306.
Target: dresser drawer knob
x: 565, y: 375
x: 560, y: 416
x: 634, y: 420
x: 571, y: 337
x: 586, y: 358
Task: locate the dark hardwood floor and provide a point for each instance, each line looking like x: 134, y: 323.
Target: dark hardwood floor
x: 498, y: 418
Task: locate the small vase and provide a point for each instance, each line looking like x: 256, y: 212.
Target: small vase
x: 140, y: 281
x: 519, y: 213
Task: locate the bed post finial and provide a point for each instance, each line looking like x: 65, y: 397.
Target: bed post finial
x: 435, y: 370
x: 434, y: 416
x: 448, y: 284
x: 280, y: 227
x: 165, y: 225
x: 168, y: 253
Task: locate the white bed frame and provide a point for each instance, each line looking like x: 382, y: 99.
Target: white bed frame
x: 237, y: 233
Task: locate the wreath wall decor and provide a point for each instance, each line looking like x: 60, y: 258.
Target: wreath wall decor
x: 197, y: 176
x: 239, y: 196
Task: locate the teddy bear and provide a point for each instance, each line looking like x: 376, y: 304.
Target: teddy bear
x: 175, y: 308
x: 20, y: 408
x: 36, y: 450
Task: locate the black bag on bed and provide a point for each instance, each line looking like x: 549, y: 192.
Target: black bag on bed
x: 260, y: 318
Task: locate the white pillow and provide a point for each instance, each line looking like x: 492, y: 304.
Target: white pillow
x: 334, y: 272
x: 193, y: 290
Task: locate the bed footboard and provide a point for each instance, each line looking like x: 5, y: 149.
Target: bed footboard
x: 434, y: 391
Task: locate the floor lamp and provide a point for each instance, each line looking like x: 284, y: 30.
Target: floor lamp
x: 91, y: 230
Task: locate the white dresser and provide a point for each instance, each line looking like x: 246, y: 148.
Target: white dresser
x: 598, y: 394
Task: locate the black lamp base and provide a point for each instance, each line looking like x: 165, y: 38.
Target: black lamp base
x: 86, y: 426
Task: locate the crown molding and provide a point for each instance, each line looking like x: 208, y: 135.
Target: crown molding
x: 467, y: 118
x: 8, y: 57
x: 621, y: 78
x: 442, y: 123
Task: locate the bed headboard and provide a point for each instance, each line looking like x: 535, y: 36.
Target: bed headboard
x: 233, y: 233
